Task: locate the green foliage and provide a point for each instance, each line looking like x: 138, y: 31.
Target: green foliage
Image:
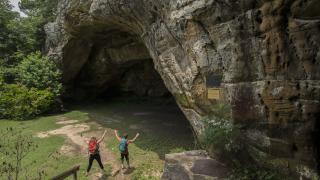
x: 15, y: 146
x: 223, y: 137
x: 40, y: 8
x: 7, y: 74
x: 29, y: 82
x: 177, y: 150
x: 20, y: 102
x: 37, y: 87
x: 253, y: 173
x: 24, y: 32
x: 45, y: 161
x: 39, y: 72
x: 1, y: 73
x: 39, y: 13
x: 220, y: 135
x: 7, y: 44
x: 20, y: 36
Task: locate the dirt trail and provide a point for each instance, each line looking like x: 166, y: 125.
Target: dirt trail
x: 78, y: 134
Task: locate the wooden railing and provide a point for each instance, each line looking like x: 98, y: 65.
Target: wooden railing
x: 73, y: 171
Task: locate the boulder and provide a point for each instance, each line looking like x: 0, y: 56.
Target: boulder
x: 193, y: 165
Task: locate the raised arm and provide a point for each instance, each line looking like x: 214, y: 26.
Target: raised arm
x: 85, y: 147
x: 116, y: 134
x: 86, y: 141
x: 102, y: 136
x: 132, y: 140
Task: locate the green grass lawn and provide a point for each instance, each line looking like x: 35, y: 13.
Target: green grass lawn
x: 45, y: 157
x: 146, y: 154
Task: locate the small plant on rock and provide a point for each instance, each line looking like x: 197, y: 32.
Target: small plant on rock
x: 220, y: 135
x: 253, y: 173
x: 223, y: 138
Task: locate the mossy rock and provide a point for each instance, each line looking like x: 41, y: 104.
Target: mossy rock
x: 182, y: 99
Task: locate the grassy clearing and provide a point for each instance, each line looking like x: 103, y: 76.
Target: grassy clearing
x: 158, y: 137
x: 45, y: 157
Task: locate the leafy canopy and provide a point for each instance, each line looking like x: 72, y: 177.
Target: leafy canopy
x: 29, y: 82
x: 20, y: 36
x: 39, y: 72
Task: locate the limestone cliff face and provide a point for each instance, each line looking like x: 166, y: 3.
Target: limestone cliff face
x: 266, y: 51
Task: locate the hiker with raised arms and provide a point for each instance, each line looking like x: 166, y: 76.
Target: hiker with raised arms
x: 123, y: 147
x: 93, y: 151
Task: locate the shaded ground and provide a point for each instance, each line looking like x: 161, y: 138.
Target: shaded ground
x: 162, y: 125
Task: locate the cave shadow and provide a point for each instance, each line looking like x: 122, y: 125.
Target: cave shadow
x: 162, y: 126
x: 316, y: 144
x: 132, y: 96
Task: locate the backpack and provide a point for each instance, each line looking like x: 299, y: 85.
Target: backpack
x: 123, y: 146
x: 93, y: 147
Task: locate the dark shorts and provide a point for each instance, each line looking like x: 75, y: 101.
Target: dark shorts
x: 124, y: 155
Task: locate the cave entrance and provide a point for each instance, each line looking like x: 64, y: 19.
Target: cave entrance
x: 128, y: 94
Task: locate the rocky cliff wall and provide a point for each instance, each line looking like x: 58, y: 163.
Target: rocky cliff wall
x: 267, y: 52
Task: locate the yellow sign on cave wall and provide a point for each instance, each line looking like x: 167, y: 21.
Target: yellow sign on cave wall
x: 214, y: 87
x: 214, y: 93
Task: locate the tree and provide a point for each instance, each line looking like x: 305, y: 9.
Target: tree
x: 14, y: 147
x: 40, y: 12
x: 29, y: 82
x: 7, y: 44
x: 19, y: 36
x: 44, y: 8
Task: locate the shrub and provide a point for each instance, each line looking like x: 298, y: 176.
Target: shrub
x: 37, y: 71
x: 1, y: 74
x: 7, y: 73
x: 250, y: 173
x: 220, y: 135
x: 223, y: 137
x: 20, y: 102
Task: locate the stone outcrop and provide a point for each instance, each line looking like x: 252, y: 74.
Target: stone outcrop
x: 267, y: 53
x: 195, y: 165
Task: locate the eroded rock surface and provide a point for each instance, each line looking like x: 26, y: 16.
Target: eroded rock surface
x: 193, y: 165
x: 267, y: 53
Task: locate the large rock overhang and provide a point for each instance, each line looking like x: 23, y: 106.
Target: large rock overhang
x: 267, y: 53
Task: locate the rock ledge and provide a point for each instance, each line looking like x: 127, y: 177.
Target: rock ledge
x: 195, y: 165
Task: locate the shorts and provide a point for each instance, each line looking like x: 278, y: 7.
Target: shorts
x: 125, y: 155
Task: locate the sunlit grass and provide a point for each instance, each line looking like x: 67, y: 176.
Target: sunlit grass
x: 45, y: 157
x: 147, y: 164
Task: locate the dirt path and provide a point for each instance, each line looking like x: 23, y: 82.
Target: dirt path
x: 78, y: 134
